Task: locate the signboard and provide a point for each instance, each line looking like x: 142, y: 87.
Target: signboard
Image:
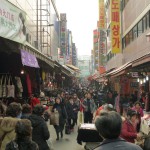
x: 135, y: 74
x: 115, y: 26
x: 101, y: 23
x: 12, y: 22
x: 63, y: 36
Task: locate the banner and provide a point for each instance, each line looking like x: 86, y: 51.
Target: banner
x: 29, y: 59
x: 12, y: 22
x: 115, y: 26
x: 63, y: 35
x: 101, y: 23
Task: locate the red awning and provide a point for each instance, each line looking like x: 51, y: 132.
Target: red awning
x: 119, y: 70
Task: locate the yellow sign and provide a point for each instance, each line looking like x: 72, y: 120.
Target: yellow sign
x: 115, y: 26
x: 101, y: 23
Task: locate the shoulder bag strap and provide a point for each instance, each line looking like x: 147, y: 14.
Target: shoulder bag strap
x: 8, y: 80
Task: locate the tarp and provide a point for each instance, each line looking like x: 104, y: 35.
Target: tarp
x: 29, y: 59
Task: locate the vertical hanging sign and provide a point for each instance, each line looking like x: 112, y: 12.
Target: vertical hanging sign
x: 115, y: 26
x: 101, y: 23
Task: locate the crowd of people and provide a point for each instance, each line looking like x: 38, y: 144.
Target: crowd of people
x: 24, y: 126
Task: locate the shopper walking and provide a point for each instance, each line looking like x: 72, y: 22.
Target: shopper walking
x: 89, y: 108
x: 23, y: 140
x: 58, y: 106
x: 40, y: 132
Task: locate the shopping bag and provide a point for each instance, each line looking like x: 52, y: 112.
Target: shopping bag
x: 80, y: 117
x: 54, y: 118
x: 10, y: 88
x: 1, y: 87
x: 50, y: 144
x: 4, y: 89
x: 67, y: 128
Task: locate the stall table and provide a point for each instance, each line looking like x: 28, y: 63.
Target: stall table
x: 88, y: 133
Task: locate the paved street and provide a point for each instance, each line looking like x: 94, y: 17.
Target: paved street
x: 67, y: 143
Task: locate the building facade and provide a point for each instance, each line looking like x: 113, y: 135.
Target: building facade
x: 131, y: 63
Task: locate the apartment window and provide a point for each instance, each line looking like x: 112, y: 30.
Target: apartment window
x: 124, y: 3
x: 140, y: 28
x: 127, y: 39
x: 148, y: 20
x: 123, y: 43
x: 130, y: 36
x: 144, y: 23
x: 135, y: 32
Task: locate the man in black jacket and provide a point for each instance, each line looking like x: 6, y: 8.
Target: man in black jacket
x: 109, y: 128
x: 40, y: 132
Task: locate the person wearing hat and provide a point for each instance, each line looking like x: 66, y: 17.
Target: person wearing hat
x: 129, y: 132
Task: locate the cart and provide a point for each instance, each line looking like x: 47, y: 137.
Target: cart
x: 88, y: 134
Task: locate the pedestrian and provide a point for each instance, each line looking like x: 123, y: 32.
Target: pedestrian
x: 23, y: 140
x: 35, y: 100
x: 58, y: 106
x: 129, y: 132
x: 8, y: 123
x: 70, y: 113
x: 26, y: 111
x: 138, y: 108
x: 89, y: 108
x: 40, y: 132
x: 109, y: 128
x: 76, y: 106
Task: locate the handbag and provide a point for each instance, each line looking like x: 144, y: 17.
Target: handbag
x: 10, y: 88
x: 1, y: 87
x: 80, y: 117
x: 4, y: 89
x: 54, y: 118
x: 67, y: 128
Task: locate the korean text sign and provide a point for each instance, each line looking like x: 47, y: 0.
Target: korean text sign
x: 12, y: 22
x: 115, y: 26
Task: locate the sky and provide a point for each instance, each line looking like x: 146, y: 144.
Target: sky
x: 82, y: 16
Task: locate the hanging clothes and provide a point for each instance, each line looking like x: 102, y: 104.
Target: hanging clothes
x: 19, y: 86
x: 28, y: 80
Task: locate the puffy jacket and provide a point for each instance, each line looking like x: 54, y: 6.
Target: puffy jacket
x: 40, y: 132
x: 7, y: 127
x: 128, y: 131
x: 92, y: 105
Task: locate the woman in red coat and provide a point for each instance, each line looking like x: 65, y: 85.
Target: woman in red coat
x: 129, y: 128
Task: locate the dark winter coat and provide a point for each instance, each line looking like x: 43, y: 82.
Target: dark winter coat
x: 23, y: 144
x: 40, y: 132
x: 62, y: 114
x: 69, y: 109
x: 117, y: 144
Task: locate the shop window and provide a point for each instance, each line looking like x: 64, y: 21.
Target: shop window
x: 148, y: 20
x: 135, y: 32
x: 130, y: 36
x: 127, y: 39
x: 145, y: 23
x: 124, y: 3
x: 140, y: 28
x: 123, y: 43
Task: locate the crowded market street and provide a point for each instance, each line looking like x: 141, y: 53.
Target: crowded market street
x: 69, y: 142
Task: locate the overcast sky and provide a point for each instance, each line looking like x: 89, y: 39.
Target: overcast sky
x: 82, y: 16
